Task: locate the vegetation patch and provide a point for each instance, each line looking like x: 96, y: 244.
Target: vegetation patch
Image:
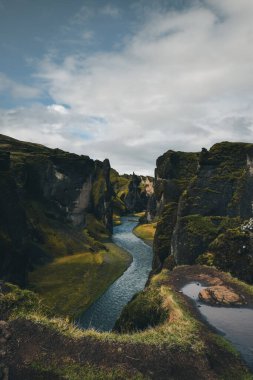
x: 179, y: 344
x: 197, y: 232
x: 232, y: 253
x: 70, y: 284
x: 144, y: 311
x: 145, y: 231
x: 116, y: 220
x: 74, y: 371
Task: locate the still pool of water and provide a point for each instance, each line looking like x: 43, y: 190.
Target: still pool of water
x: 234, y: 323
x: 103, y: 314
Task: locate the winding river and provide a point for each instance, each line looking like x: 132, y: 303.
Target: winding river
x: 103, y: 314
x: 236, y: 324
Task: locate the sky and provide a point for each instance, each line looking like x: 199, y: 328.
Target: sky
x: 126, y: 79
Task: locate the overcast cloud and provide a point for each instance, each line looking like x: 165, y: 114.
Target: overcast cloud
x: 182, y: 80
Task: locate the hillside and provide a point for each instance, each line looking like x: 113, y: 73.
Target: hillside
x: 55, y: 225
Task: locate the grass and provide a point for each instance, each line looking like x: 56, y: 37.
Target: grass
x: 180, y: 331
x: 145, y: 231
x: 70, y: 284
x: 139, y: 214
x: 73, y: 371
x: 116, y: 220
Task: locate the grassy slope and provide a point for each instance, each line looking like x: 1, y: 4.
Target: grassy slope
x: 72, y: 283
x: 181, y: 344
x: 145, y: 232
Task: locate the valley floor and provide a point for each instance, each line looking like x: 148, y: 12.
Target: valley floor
x: 70, y: 284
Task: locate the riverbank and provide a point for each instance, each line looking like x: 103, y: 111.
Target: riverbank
x: 70, y: 284
x: 146, y: 232
x: 179, y: 347
x: 103, y: 313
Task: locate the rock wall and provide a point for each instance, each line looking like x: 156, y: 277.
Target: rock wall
x: 46, y: 197
x: 173, y: 173
x: 196, y: 209
x: 131, y: 192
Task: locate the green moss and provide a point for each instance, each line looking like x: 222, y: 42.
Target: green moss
x: 177, y: 165
x: 96, y: 228
x: 206, y: 258
x: 144, y: 311
x: 55, y: 237
x: 197, y: 232
x: 99, y: 188
x: 164, y: 231
x: 120, y: 185
x: 209, y: 226
x: 232, y: 253
x: 18, y: 301
x: 119, y: 207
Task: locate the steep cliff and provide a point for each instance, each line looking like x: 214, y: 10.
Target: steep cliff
x: 214, y: 199
x: 131, y: 192
x: 174, y: 171
x: 52, y: 203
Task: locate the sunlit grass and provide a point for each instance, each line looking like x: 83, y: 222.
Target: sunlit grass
x: 145, y: 231
x: 71, y: 283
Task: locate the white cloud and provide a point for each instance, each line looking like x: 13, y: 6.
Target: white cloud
x: 58, y: 108
x: 183, y: 81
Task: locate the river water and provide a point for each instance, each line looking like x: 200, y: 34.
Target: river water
x: 234, y: 323
x: 103, y: 314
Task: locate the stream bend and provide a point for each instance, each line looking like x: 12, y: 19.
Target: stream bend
x: 104, y: 312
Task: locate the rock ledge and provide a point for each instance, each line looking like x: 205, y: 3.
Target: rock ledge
x: 221, y: 295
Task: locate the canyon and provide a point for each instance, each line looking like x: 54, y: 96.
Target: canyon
x: 59, y: 256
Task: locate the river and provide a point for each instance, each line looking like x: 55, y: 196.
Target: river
x: 104, y: 312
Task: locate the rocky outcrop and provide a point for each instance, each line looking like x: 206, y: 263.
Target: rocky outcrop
x: 136, y: 198
x: 206, y: 197
x: 132, y: 193
x: 221, y: 295
x: 46, y: 198
x: 173, y: 173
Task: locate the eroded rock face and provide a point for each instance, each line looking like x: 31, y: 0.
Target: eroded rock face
x: 137, y: 197
x: 45, y: 193
x: 131, y: 193
x: 213, y: 193
x: 174, y: 171
x: 220, y: 295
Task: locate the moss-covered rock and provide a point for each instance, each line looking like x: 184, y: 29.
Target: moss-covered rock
x: 214, y: 193
x: 163, y: 235
x: 144, y: 311
x: 46, y: 198
x: 194, y: 233
x: 131, y: 192
x: 232, y: 252
x: 174, y: 171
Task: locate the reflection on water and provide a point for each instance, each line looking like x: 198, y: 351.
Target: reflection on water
x: 103, y: 314
x: 236, y: 324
